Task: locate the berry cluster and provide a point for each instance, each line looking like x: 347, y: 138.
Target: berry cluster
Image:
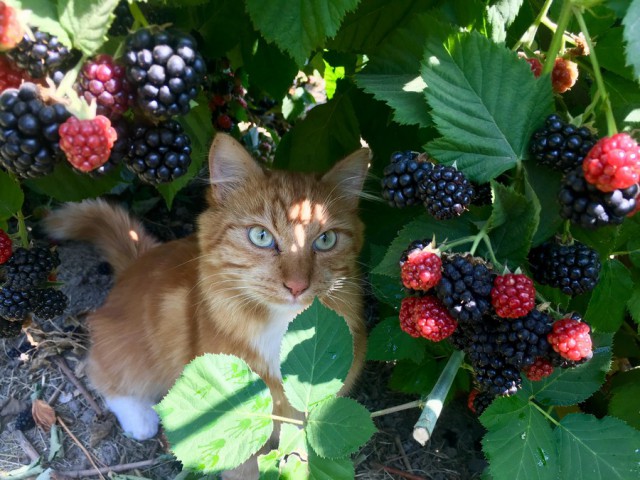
x: 410, y: 178
x: 228, y: 103
x: 24, y: 274
x: 492, y: 318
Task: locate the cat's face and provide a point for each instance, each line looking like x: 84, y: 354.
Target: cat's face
x: 279, y: 238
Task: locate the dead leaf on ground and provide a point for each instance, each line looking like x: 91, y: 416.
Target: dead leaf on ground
x: 13, y: 406
x: 100, y: 429
x: 43, y: 414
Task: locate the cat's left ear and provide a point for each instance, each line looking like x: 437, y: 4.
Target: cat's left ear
x: 348, y: 175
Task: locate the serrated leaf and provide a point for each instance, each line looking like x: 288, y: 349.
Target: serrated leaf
x: 388, y: 342
x: 519, y: 443
x: 610, y: 55
x: 422, y: 228
x: 330, y: 469
x: 606, y: 309
x: 500, y: 15
x: 411, y: 377
x: 223, y: 394
x: 633, y: 304
x: 624, y: 404
x: 268, y: 465
x: 316, y: 354
x: 631, y: 23
x: 338, y: 427
x: 485, y: 104
x: 292, y: 439
x: 270, y: 69
x: 329, y: 132
x: 11, y: 196
x: 597, y: 449
x: 87, y: 21
x: 569, y: 386
x: 543, y: 181
x: 43, y: 16
x: 300, y: 27
x: 513, y: 221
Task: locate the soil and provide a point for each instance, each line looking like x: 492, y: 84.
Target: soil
x: 33, y: 366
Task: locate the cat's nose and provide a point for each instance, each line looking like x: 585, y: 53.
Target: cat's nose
x: 296, y: 286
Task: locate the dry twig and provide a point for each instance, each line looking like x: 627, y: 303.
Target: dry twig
x: 70, y: 375
x: 26, y: 446
x: 395, y: 471
x: 77, y: 442
x: 115, y: 468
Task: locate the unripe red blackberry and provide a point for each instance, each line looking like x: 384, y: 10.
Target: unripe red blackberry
x: 432, y: 320
x: 539, y: 369
x: 613, y: 163
x: 41, y: 56
x: 11, y: 30
x: 479, y: 401
x: 10, y: 75
x: 102, y: 80
x: 564, y: 75
x: 513, y: 295
x: 420, y: 268
x: 6, y: 247
x: 570, y: 338
x: 118, y: 151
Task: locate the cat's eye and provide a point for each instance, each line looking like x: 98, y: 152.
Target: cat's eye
x: 261, y: 237
x: 325, y: 241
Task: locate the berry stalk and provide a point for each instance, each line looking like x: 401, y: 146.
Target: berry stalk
x: 138, y: 16
x: 22, y: 229
x: 528, y: 36
x: 612, y: 129
x: 423, y: 428
x: 558, y: 37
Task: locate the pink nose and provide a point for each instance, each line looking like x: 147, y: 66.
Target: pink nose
x: 296, y: 286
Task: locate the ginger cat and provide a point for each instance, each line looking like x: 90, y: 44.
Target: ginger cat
x: 269, y: 242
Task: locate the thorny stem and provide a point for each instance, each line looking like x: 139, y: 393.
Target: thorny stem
x: 558, y: 37
x: 612, y: 129
x: 530, y: 34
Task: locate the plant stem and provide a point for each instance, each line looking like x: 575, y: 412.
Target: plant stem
x: 423, y: 428
x: 492, y: 256
x: 287, y: 420
x: 549, y: 417
x: 612, y: 129
x: 397, y: 408
x: 22, y: 229
x: 460, y: 241
x: 138, y: 16
x: 558, y: 36
x: 478, y: 238
x: 530, y: 34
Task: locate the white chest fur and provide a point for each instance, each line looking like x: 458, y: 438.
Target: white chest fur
x: 269, y: 341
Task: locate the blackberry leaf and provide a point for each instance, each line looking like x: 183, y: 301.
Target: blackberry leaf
x: 607, y: 305
x: 87, y: 22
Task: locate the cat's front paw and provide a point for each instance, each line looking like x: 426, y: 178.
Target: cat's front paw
x: 136, y: 417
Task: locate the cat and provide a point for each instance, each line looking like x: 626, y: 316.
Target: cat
x: 269, y: 242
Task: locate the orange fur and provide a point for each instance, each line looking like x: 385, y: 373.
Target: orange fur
x: 215, y: 291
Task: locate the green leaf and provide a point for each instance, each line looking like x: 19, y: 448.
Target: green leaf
x: 606, y: 309
x: 485, y: 103
x: 631, y: 23
x: 423, y: 228
x: 338, y: 427
x: 513, y: 221
x: 519, y: 443
x: 597, y: 449
x: 225, y: 25
x: 331, y: 77
x: 500, y: 15
x: 633, y: 304
x: 268, y: 465
x: 329, y: 132
x: 387, y: 342
x: 43, y: 16
x: 568, y: 386
x: 301, y: 27
x: 624, y: 404
x: 330, y: 468
x: 197, y: 125
x: 270, y: 69
x: 68, y: 185
x: 56, y: 449
x: 610, y: 55
x: 87, y: 21
x: 316, y: 354
x: 292, y: 439
x: 542, y: 181
x: 217, y: 414
x: 11, y: 196
x: 411, y: 377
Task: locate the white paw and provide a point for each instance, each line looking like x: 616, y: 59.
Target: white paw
x: 137, y: 417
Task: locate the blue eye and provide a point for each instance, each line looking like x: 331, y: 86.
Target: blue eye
x: 261, y: 237
x: 326, y: 241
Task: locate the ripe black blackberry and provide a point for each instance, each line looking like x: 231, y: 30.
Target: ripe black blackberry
x: 24, y: 420
x: 30, y: 268
x: 465, y: 287
x: 48, y: 303
x: 42, y: 55
x: 482, y: 401
x: 482, y: 194
x: 166, y: 70
x: 123, y: 20
x: 587, y: 206
x: 118, y: 151
x: 160, y: 153
x: 401, y: 177
x: 523, y: 339
x: 573, y: 268
x: 9, y: 328
x: 29, y: 139
x: 445, y: 192
x: 560, y: 145
x: 14, y: 304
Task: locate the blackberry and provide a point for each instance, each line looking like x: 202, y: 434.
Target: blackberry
x: 42, y: 55
x: 103, y: 81
x: 585, y: 205
x: 523, y: 339
x: 560, y: 145
x: 482, y: 194
x: 445, y: 192
x: 118, y: 151
x: 401, y: 177
x: 24, y: 420
x: 123, y: 20
x: 48, y: 303
x: 14, y: 304
x: 465, y: 287
x: 9, y: 329
x: 481, y: 402
x: 165, y: 69
x: 29, y: 139
x: 29, y: 268
x: 573, y: 268
x: 159, y: 154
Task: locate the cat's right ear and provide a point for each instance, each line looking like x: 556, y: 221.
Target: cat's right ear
x: 230, y: 165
